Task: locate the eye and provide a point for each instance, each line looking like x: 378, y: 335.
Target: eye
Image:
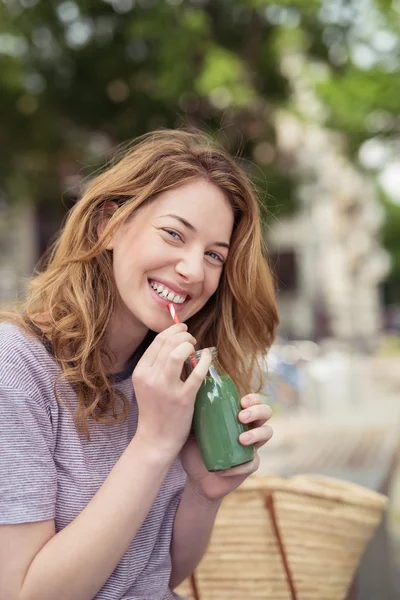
x: 216, y: 256
x: 173, y: 234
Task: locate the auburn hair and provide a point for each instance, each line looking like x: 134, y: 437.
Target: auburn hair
x: 72, y: 299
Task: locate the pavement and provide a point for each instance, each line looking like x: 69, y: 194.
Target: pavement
x: 346, y: 394
x: 386, y: 377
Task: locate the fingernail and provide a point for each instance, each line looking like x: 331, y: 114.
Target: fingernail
x: 246, y: 415
x: 246, y: 437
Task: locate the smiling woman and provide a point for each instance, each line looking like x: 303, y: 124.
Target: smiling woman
x: 103, y: 492
x: 178, y: 243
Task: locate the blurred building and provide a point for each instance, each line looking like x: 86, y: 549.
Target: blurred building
x: 328, y: 257
x: 18, y: 249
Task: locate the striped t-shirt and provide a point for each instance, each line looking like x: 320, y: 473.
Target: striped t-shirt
x: 49, y: 471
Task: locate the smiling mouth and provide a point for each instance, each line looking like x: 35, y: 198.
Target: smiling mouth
x: 167, y: 294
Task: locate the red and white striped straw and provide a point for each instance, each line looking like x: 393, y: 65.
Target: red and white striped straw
x: 173, y: 314
x: 176, y: 320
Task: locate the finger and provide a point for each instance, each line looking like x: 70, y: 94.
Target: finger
x: 246, y: 469
x: 258, y: 436
x: 250, y: 400
x: 175, y: 361
x: 171, y: 344
x: 196, y: 377
x: 150, y: 355
x: 258, y: 413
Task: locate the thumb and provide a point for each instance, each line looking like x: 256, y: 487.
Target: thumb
x: 200, y: 371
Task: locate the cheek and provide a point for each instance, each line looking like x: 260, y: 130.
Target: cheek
x: 212, y: 283
x: 125, y: 266
x: 121, y: 275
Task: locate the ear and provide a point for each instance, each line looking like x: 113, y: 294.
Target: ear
x: 107, y: 211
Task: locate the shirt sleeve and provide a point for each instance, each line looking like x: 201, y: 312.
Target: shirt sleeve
x: 28, y: 476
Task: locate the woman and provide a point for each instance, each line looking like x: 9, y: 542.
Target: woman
x: 103, y: 494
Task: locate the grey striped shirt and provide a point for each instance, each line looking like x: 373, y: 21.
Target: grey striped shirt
x: 48, y: 471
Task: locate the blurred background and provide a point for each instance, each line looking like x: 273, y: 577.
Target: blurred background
x: 307, y: 94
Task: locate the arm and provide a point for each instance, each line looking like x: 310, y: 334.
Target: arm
x: 74, y: 563
x: 193, y: 524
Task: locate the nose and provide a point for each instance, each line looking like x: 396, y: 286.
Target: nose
x: 191, y: 267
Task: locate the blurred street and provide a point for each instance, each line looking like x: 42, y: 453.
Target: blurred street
x: 386, y: 375
x: 349, y: 437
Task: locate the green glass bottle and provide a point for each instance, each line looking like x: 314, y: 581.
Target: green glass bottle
x: 215, y: 420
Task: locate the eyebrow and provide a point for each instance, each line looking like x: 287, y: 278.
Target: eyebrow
x: 193, y: 228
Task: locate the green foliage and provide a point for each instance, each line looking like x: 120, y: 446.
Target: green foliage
x: 73, y: 70
x: 80, y: 77
x: 390, y: 233
x: 222, y: 69
x: 353, y: 96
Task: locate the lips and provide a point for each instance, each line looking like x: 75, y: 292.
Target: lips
x: 168, y: 292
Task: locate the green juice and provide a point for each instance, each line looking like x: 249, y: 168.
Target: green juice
x: 217, y: 426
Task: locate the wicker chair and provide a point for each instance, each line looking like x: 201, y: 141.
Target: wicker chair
x: 299, y: 538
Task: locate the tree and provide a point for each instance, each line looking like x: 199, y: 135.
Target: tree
x: 80, y: 77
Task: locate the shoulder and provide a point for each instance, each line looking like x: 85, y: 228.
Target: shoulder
x: 25, y: 364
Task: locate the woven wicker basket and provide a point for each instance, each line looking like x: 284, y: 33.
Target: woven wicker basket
x: 299, y: 538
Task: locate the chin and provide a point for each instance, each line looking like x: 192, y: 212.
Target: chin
x: 158, y: 324
x: 157, y: 328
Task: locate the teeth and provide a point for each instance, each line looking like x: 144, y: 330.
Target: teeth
x: 165, y: 293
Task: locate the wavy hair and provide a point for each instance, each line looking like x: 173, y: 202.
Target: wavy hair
x: 73, y: 299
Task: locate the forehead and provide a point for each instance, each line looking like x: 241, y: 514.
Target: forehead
x: 201, y: 203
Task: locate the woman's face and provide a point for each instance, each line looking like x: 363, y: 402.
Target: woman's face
x: 172, y: 250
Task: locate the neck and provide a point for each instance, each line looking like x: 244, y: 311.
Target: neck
x: 123, y: 338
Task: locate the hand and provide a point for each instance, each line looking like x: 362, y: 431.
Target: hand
x: 166, y: 402
x: 214, y: 486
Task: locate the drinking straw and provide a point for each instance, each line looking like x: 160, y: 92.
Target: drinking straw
x: 174, y: 316
x: 176, y: 320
